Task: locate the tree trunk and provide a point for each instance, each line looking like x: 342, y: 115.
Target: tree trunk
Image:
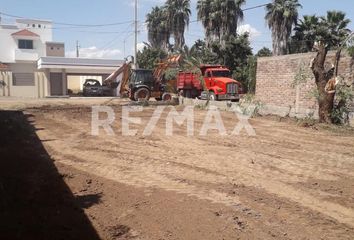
x: 325, y: 100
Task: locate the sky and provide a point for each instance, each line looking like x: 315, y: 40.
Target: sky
x: 117, y: 41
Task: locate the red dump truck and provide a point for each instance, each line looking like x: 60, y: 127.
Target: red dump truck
x: 218, y: 83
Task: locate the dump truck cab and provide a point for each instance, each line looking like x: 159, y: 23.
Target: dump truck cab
x: 218, y: 81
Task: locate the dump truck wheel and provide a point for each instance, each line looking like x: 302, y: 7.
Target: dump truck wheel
x: 142, y: 93
x: 166, y: 97
x: 212, y: 96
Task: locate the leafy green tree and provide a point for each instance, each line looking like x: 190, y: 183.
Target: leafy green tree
x: 178, y: 12
x: 149, y: 56
x: 264, y: 52
x: 281, y: 16
x: 235, y: 56
x: 158, y: 28
x: 200, y: 51
x: 251, y: 75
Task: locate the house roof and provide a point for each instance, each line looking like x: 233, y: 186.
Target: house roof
x: 108, y: 65
x: 26, y: 33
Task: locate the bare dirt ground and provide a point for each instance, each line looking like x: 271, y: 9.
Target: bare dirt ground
x: 287, y: 182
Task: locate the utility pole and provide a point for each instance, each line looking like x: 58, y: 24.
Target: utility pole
x: 136, y: 33
x: 77, y: 49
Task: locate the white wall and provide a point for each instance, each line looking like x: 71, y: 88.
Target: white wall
x: 8, y: 43
x: 39, y: 89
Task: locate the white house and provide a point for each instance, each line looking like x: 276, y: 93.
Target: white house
x: 32, y: 65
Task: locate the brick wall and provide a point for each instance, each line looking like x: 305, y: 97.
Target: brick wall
x: 277, y: 89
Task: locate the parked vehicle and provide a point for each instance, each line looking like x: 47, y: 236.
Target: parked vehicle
x: 93, y: 87
x: 217, y: 80
x: 143, y: 85
x: 189, y: 85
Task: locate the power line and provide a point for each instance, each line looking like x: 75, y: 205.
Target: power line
x: 108, y: 44
x: 110, y: 24
x: 72, y: 24
x: 258, y: 6
x: 95, y: 32
x: 243, y: 10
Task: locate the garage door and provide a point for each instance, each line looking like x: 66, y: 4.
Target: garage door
x: 56, y: 84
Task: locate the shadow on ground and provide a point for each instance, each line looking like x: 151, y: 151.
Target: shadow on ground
x: 35, y: 202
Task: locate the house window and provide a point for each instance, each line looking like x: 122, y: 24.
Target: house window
x: 33, y: 25
x: 22, y: 79
x: 25, y: 44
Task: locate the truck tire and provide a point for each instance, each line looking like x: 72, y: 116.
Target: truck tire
x: 166, y: 97
x: 142, y: 93
x: 212, y: 96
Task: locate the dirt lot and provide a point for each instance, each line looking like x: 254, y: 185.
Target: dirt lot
x: 287, y: 182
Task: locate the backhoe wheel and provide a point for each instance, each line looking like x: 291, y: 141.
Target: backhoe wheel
x: 142, y: 94
x: 212, y: 96
x: 166, y: 97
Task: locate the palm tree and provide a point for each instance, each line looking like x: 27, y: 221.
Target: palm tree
x: 220, y: 18
x: 331, y: 28
x: 232, y: 15
x: 178, y: 12
x: 158, y: 28
x: 281, y: 15
x: 305, y: 34
x: 204, y: 9
x: 337, y: 27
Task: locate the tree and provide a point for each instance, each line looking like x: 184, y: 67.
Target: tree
x: 231, y: 16
x: 149, y: 56
x: 158, y: 28
x: 331, y: 33
x: 200, y: 51
x: 281, y: 15
x: 235, y: 55
x: 205, y: 11
x: 220, y: 18
x: 305, y: 34
x: 178, y: 12
x: 264, y: 52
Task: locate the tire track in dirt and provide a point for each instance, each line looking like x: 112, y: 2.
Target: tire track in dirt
x: 232, y: 166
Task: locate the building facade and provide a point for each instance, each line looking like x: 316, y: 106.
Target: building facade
x: 32, y: 65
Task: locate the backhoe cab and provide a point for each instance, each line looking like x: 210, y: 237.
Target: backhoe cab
x: 142, y: 84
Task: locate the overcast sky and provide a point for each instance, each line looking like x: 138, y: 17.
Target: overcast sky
x: 108, y: 41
